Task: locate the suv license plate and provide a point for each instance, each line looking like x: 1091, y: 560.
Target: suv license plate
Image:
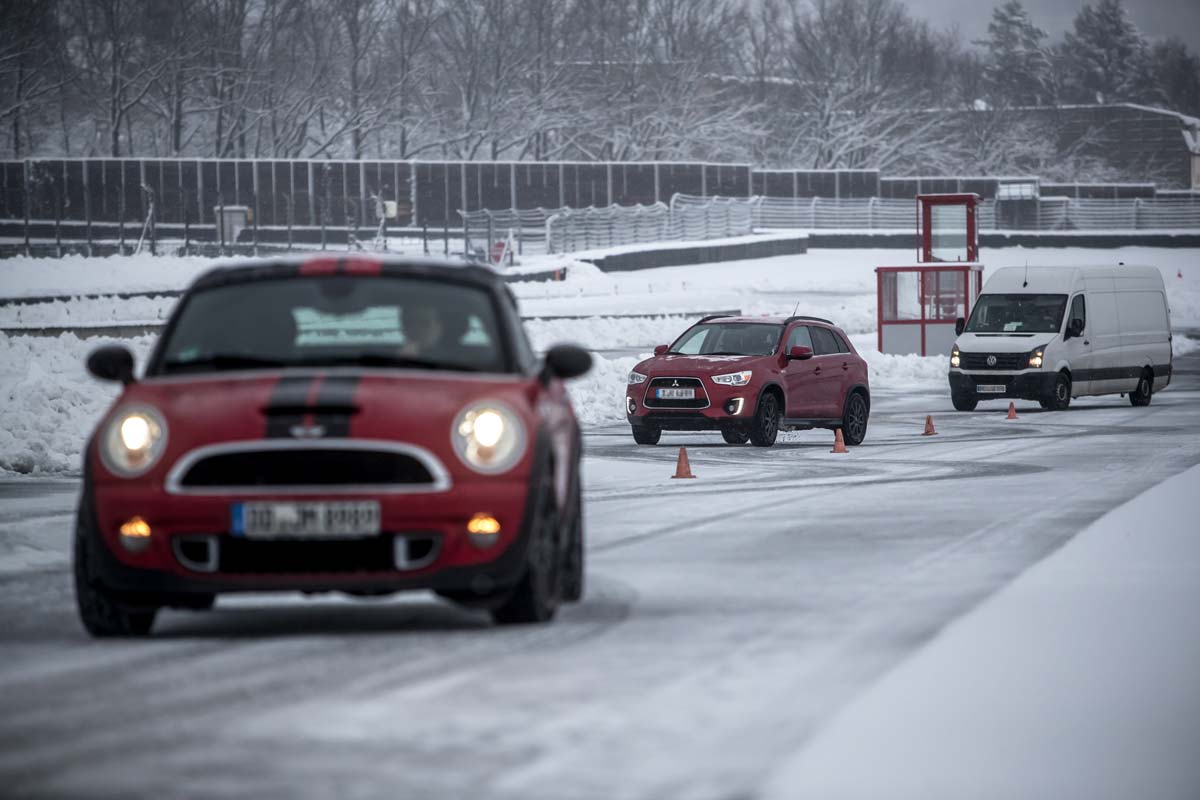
x: 305, y: 520
x: 991, y: 388
x: 675, y: 394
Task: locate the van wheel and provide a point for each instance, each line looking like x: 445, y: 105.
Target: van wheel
x: 964, y: 402
x: 766, y: 421
x: 1145, y: 388
x: 1060, y: 395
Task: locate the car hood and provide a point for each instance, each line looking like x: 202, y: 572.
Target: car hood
x: 409, y: 406
x: 681, y: 366
x: 1002, y: 342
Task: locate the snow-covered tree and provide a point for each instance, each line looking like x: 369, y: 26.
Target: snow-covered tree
x: 1104, y: 58
x: 1016, y: 67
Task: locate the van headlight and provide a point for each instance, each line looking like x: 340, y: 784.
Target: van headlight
x: 488, y: 437
x: 134, y: 441
x: 954, y: 358
x: 734, y: 378
x: 1035, y: 359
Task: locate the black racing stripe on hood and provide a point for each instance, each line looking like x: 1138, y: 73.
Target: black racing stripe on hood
x: 283, y: 409
x: 335, y: 399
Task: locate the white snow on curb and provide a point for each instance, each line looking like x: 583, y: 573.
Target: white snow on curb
x: 1078, y: 680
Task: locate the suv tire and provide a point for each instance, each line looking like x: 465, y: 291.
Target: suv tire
x: 644, y: 434
x: 766, y: 421
x: 735, y: 436
x: 854, y: 419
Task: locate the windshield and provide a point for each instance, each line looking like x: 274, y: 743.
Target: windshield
x: 1017, y: 313
x: 334, y: 321
x: 729, y: 339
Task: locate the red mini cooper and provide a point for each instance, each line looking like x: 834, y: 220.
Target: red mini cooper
x: 749, y: 378
x: 351, y: 424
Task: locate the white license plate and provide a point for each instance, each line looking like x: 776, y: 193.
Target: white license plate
x: 675, y: 394
x: 991, y: 388
x: 305, y: 520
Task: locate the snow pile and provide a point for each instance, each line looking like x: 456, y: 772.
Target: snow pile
x: 1076, y: 680
x: 75, y: 275
x: 599, y: 396
x: 50, y: 403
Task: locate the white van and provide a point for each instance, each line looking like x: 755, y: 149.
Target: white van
x: 1053, y: 333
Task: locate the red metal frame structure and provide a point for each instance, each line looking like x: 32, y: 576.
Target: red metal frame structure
x: 944, y: 284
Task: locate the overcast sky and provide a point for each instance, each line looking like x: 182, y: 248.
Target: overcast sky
x: 1158, y: 19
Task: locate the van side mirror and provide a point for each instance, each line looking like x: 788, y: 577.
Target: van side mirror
x: 1074, y: 328
x: 800, y: 353
x: 113, y: 362
x: 566, y: 361
x: 959, y: 324
x: 661, y: 350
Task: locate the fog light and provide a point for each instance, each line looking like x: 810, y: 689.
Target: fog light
x: 630, y: 405
x: 135, y: 534
x: 734, y: 407
x: 483, y: 529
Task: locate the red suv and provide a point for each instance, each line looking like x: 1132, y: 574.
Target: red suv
x: 749, y: 378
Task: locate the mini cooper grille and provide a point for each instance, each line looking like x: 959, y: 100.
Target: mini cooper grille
x: 306, y: 467
x: 652, y: 400
x: 1003, y: 360
x: 350, y: 555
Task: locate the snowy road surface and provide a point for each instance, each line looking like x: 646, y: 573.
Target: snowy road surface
x: 726, y: 620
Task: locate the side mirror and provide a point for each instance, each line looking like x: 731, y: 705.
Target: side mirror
x: 800, y: 353
x: 566, y: 361
x: 959, y: 324
x: 1074, y: 328
x: 662, y: 349
x: 113, y: 362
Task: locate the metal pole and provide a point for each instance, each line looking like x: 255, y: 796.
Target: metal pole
x: 445, y: 236
x: 187, y: 228
x: 221, y: 222
x: 87, y: 215
x: 57, y: 224
x: 291, y: 210
x: 254, y: 211
x: 425, y: 236
x: 28, y: 191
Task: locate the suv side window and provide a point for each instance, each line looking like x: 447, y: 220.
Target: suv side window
x: 798, y: 338
x: 841, y: 343
x: 1078, y: 311
x: 824, y: 341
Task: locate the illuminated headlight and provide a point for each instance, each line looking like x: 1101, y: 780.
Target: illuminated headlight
x: 954, y: 359
x: 733, y: 378
x: 636, y: 377
x: 489, y: 437
x: 1035, y: 359
x: 134, y: 441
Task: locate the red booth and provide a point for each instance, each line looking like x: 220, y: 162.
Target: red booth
x: 918, y: 304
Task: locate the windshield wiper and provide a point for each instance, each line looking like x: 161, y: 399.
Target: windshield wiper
x: 722, y: 353
x: 221, y: 361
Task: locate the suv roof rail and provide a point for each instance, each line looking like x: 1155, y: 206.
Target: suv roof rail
x: 790, y: 320
x: 713, y: 316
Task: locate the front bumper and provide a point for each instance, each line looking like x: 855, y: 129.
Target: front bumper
x: 457, y: 565
x: 1026, y: 385
x: 729, y: 407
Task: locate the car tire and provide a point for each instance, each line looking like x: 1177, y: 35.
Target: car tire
x: 101, y: 613
x: 765, y: 427
x: 854, y: 419
x: 536, y: 596
x: 644, y: 434
x: 573, y: 555
x: 1145, y: 390
x: 1060, y: 394
x: 735, y: 436
x: 963, y: 402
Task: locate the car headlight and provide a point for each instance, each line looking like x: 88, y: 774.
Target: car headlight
x: 488, y: 437
x: 636, y: 377
x: 954, y: 360
x: 734, y: 378
x: 1035, y: 359
x: 134, y: 441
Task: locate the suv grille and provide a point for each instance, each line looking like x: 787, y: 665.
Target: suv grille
x: 651, y: 399
x: 1009, y: 361
x: 314, y: 466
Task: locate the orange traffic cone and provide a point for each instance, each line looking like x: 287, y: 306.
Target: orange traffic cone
x: 929, y: 431
x: 682, y: 468
x: 839, y: 444
x: 1012, y: 410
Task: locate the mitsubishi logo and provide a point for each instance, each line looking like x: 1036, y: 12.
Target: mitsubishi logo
x: 675, y: 384
x: 307, y: 431
x: 991, y: 361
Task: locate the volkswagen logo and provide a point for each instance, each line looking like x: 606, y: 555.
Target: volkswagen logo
x: 991, y: 361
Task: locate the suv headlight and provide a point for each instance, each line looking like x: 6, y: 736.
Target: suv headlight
x: 954, y: 358
x: 488, y: 437
x: 734, y: 378
x: 1035, y: 358
x: 134, y: 441
x: 636, y: 377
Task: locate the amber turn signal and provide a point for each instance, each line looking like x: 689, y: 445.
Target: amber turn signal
x: 135, y: 534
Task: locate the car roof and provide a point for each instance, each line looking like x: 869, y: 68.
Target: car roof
x: 765, y: 320
x: 367, y: 265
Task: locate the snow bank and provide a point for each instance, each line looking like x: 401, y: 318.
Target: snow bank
x: 34, y: 277
x: 1076, y: 680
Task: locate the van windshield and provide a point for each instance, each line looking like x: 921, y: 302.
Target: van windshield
x: 1017, y: 313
